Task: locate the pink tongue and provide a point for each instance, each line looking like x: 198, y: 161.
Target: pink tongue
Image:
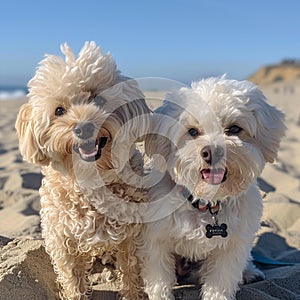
x: 214, y: 176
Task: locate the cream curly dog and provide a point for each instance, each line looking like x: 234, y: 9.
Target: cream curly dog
x: 80, y: 124
x: 213, y: 140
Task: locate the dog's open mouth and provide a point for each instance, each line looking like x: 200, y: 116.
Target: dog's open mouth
x: 214, y: 176
x: 90, y: 151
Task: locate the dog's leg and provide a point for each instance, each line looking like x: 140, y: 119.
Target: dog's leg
x: 222, y: 271
x: 158, y: 272
x: 71, y: 268
x: 72, y: 273
x: 127, y: 263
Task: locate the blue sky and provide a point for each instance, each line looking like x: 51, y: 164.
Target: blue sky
x: 180, y: 40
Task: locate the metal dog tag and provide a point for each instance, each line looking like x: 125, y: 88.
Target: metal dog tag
x: 216, y: 230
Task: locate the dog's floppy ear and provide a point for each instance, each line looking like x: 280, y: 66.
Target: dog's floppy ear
x: 139, y: 114
x: 270, y: 124
x: 28, y: 141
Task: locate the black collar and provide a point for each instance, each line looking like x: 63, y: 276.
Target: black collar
x: 200, y: 203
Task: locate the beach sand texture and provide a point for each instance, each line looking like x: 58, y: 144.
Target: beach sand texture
x: 25, y: 269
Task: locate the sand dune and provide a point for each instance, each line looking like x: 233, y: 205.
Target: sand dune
x: 25, y: 269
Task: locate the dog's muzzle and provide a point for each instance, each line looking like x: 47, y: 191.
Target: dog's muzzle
x: 89, y: 149
x: 212, y: 155
x: 84, y: 130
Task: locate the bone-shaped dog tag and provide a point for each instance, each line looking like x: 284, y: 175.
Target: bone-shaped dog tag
x: 216, y: 230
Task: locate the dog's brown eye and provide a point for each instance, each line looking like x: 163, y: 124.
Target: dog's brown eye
x: 233, y: 130
x: 60, y: 111
x: 193, y: 132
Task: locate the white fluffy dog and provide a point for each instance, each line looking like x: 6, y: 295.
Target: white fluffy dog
x: 215, y: 138
x: 80, y: 125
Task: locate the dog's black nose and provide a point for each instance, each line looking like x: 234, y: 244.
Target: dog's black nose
x: 212, y: 154
x: 84, y: 130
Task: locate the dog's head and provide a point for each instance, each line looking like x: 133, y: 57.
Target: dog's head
x: 216, y: 136
x: 81, y: 108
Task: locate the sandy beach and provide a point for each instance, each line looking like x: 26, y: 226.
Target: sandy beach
x: 25, y: 269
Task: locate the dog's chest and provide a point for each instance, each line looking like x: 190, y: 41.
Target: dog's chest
x: 198, y: 232
x: 114, y: 215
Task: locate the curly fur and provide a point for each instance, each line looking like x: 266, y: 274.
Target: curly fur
x: 189, y: 122
x: 89, y: 208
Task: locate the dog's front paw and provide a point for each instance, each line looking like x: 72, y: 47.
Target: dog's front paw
x: 252, y: 274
